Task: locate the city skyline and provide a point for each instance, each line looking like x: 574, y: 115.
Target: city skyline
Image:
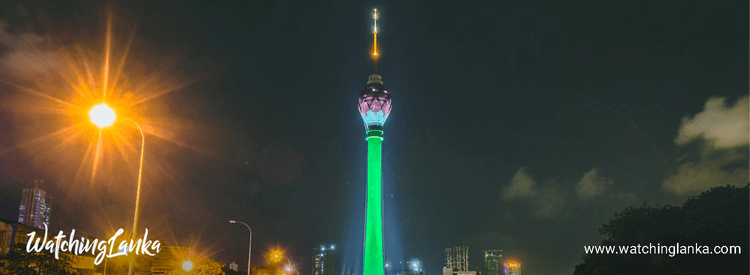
x: 521, y: 126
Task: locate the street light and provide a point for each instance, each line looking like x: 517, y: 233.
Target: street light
x: 289, y: 268
x: 187, y: 265
x: 249, y: 245
x: 103, y: 116
x: 277, y: 256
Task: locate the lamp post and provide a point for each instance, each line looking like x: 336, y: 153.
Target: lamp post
x: 249, y: 245
x: 103, y: 116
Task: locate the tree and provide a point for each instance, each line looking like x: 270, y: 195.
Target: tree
x: 207, y: 266
x: 717, y: 217
x: 228, y: 271
x: 37, y: 263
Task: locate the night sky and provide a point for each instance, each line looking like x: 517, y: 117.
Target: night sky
x: 516, y: 125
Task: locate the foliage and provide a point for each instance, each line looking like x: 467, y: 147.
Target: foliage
x: 37, y: 263
x: 207, y: 266
x: 717, y: 217
x: 228, y: 271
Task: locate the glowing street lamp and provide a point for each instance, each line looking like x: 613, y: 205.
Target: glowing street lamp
x: 187, y: 265
x: 249, y: 245
x: 104, y: 116
x: 290, y: 268
x: 276, y: 256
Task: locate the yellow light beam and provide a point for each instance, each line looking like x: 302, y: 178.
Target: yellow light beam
x: 375, y: 34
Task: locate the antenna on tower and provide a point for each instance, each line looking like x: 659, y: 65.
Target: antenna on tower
x: 375, y: 38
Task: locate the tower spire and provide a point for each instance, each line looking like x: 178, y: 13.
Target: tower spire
x: 375, y: 54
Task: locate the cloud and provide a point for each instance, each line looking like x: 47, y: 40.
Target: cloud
x: 546, y: 201
x: 549, y: 202
x: 721, y: 125
x: 26, y: 55
x: 592, y: 185
x: 521, y: 185
x: 722, y: 159
x: 695, y: 177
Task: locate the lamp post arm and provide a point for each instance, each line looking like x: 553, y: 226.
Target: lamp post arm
x: 138, y: 192
x: 140, y: 176
x: 249, y: 246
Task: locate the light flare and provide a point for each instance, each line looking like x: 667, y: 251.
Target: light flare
x: 102, y: 115
x: 59, y: 132
x: 187, y: 265
x: 275, y: 255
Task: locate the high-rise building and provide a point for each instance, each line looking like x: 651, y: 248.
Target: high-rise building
x: 457, y: 258
x: 374, y: 107
x: 512, y: 267
x: 323, y: 260
x: 35, y: 209
x: 493, y: 262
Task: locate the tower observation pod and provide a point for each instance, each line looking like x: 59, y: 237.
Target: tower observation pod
x: 374, y: 107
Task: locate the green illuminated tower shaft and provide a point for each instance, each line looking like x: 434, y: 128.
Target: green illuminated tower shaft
x: 373, y: 263
x: 374, y: 107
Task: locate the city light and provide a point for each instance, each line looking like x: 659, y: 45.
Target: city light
x: 102, y: 115
x: 512, y: 264
x: 415, y: 266
x: 187, y: 265
x: 289, y: 268
x: 275, y: 255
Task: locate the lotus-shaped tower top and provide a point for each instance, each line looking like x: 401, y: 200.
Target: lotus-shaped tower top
x: 374, y: 103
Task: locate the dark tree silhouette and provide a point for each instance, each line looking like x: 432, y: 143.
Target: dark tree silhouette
x: 717, y: 217
x: 37, y: 263
x: 207, y: 266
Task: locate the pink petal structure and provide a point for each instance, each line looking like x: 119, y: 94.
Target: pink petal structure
x: 374, y: 103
